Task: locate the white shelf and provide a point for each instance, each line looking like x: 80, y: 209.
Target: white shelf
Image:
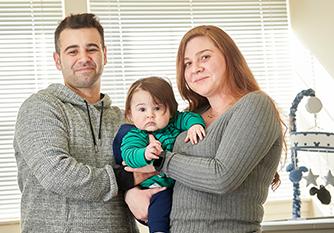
x: 314, y: 225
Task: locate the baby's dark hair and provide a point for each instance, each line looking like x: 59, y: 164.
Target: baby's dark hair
x: 160, y: 90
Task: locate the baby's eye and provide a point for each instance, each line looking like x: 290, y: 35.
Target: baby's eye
x: 160, y: 108
x: 141, y: 109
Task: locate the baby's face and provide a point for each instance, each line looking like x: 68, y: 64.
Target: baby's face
x: 146, y: 114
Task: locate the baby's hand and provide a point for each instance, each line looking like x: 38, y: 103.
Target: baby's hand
x: 153, y: 149
x: 195, y: 132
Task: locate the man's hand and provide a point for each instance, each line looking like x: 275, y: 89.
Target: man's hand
x: 139, y: 177
x: 146, y: 169
x: 194, y: 133
x: 138, y: 201
x: 140, y: 174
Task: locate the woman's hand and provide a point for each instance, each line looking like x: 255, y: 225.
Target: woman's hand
x: 138, y: 201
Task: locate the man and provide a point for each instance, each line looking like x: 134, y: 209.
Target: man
x: 63, y: 141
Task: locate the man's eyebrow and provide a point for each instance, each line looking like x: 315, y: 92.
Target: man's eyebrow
x: 71, y: 47
x: 77, y: 46
x: 93, y: 45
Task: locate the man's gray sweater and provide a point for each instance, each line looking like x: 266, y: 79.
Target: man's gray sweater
x: 67, y: 182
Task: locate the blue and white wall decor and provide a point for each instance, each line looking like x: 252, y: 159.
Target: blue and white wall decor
x: 308, y: 141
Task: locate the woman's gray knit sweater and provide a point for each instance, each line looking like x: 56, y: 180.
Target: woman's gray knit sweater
x: 67, y: 185
x: 222, y: 186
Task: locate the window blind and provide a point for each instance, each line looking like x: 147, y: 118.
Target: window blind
x: 142, y: 40
x: 26, y: 46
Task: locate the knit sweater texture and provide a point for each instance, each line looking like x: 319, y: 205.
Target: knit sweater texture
x: 222, y: 182
x: 67, y: 184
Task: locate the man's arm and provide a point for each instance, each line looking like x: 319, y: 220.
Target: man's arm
x: 42, y: 140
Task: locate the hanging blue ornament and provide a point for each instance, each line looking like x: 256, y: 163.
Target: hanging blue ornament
x: 295, y: 173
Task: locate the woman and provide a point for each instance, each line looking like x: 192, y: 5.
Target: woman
x: 221, y: 182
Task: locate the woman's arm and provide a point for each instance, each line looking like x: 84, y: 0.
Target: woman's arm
x: 249, y: 135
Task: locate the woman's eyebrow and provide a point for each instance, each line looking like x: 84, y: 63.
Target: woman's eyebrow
x: 199, y: 53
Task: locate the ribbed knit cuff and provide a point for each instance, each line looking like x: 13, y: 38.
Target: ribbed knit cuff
x: 165, y: 166
x: 125, y: 180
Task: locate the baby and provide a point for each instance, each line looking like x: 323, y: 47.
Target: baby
x: 152, y: 108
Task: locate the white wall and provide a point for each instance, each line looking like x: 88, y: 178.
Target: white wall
x: 75, y: 6
x: 312, y: 21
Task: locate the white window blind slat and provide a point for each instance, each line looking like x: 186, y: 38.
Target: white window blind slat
x: 26, y: 47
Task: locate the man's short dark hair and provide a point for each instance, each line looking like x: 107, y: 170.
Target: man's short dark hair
x: 77, y: 21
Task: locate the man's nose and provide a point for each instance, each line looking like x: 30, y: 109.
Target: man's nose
x: 84, y: 57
